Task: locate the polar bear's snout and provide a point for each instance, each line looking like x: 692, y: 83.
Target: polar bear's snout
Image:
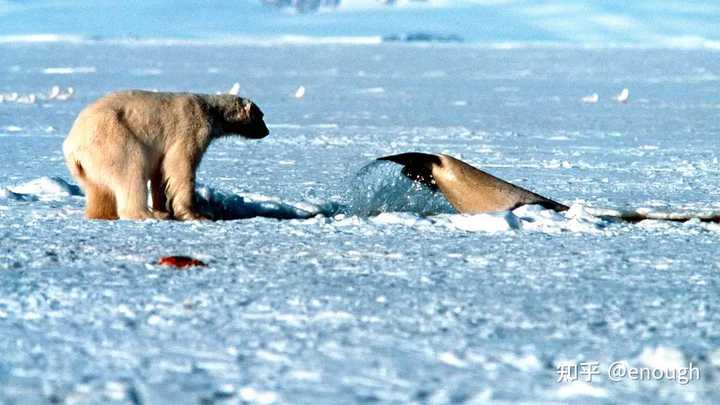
x: 256, y: 130
x: 255, y: 127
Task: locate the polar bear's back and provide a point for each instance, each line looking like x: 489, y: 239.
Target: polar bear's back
x: 148, y: 117
x: 145, y: 109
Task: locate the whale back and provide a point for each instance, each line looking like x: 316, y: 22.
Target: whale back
x: 469, y: 189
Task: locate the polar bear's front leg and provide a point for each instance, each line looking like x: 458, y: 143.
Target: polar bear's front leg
x: 157, y: 188
x: 131, y: 199
x: 179, y: 172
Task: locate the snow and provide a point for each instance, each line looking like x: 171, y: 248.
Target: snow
x: 580, y: 389
x: 663, y: 358
x: 335, y: 279
x: 69, y: 70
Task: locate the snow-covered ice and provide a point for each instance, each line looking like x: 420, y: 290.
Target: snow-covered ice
x: 370, y: 288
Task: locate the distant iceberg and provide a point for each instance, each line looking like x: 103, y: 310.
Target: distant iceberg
x: 422, y: 37
x: 310, y: 6
x: 302, y: 6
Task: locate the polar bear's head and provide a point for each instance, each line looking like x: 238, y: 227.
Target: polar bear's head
x: 241, y: 116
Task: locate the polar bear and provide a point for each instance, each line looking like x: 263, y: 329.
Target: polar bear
x: 125, y: 139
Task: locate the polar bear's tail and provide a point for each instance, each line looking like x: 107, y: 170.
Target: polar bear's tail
x: 75, y: 167
x: 71, y: 161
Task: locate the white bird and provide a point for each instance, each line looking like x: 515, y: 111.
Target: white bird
x: 623, y: 96
x: 235, y: 89
x: 54, y: 92
x: 300, y: 92
x: 591, y: 99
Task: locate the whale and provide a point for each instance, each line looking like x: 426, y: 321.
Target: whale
x: 468, y: 189
x: 473, y: 191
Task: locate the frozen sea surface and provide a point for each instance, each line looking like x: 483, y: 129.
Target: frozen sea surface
x: 357, y: 295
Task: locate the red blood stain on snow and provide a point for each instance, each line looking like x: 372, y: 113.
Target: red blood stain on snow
x: 180, y: 261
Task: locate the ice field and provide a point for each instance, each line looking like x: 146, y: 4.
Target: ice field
x: 392, y: 307
x: 341, y: 281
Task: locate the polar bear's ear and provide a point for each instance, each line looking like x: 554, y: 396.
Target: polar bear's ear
x: 246, y: 109
x: 239, y: 111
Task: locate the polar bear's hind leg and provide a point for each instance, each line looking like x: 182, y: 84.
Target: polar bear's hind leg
x: 100, y: 202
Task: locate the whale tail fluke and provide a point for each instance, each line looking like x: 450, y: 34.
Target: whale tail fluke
x: 417, y: 166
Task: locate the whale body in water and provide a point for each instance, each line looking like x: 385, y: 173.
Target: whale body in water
x: 473, y: 191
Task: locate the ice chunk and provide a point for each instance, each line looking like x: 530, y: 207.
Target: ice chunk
x: 47, y: 188
x: 27, y: 99
x: 54, y: 92
x: 373, y: 90
x: 451, y: 359
x: 663, y: 358
x: 396, y: 218
x: 591, y: 99
x: 225, y: 206
x: 250, y: 394
x: 581, y: 388
x: 10, y: 195
x: 490, y: 222
x: 69, y: 93
x: 69, y: 70
x: 12, y: 128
